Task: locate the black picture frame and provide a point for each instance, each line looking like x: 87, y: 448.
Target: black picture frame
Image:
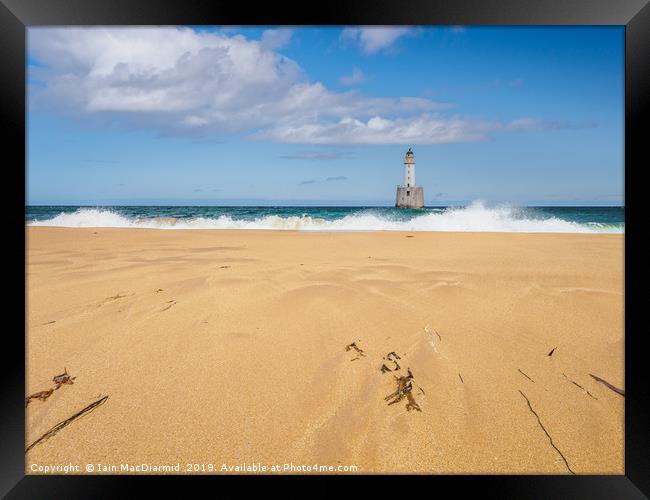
x: 17, y: 15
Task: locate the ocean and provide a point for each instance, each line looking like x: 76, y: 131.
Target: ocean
x: 476, y: 216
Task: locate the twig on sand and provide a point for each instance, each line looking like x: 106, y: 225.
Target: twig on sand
x: 578, y: 385
x: 530, y: 407
x: 67, y: 422
x: 526, y: 376
x: 552, y: 351
x: 607, y: 384
x: 461, y: 378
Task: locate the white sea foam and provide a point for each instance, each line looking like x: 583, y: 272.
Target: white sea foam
x: 475, y: 217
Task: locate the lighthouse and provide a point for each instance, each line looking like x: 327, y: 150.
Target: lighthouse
x: 409, y: 195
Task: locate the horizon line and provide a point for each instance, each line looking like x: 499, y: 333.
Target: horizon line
x: 328, y: 205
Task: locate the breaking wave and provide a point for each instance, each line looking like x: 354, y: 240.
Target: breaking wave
x: 476, y: 217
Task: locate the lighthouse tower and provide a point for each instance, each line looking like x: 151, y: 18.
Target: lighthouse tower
x: 409, y: 195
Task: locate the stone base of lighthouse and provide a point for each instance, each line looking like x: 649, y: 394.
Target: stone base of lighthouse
x: 410, y: 197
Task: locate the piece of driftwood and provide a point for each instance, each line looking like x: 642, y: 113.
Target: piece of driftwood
x: 552, y: 351
x: 607, y: 384
x: 67, y: 422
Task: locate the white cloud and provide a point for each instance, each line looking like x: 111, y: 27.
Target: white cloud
x: 421, y: 129
x: 179, y: 81
x: 355, y: 78
x: 424, y: 129
x: 535, y: 124
x: 276, y: 38
x: 192, y: 79
x: 372, y: 39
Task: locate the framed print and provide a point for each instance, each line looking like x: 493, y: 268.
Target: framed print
x: 361, y: 241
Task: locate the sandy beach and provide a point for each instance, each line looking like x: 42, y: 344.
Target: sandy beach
x: 229, y: 347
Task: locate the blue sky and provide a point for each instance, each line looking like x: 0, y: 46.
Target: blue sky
x: 324, y: 115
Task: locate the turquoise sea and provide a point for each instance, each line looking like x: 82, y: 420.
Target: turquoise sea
x: 476, y: 216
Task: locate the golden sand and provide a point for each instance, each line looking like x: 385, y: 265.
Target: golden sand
x: 229, y: 347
